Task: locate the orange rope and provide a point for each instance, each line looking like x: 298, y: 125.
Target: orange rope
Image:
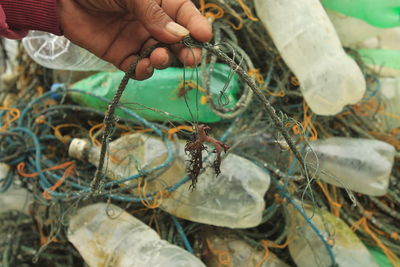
x: 172, y: 131
x: 215, y: 11
x: 11, y: 115
x: 247, y: 10
x: 191, y: 85
x: 42, y: 237
x: 366, y: 108
x: 395, y: 131
x: 294, y: 81
x: 269, y: 244
x: 255, y: 73
x: 394, y: 116
x: 236, y: 27
x: 335, y: 207
x: 278, y: 94
x: 157, y: 198
x: 68, y: 172
x: 21, y: 167
x: 202, y: 7
x: 307, y: 124
x: 93, y: 136
x: 363, y: 224
x: 223, y: 256
x: 64, y: 139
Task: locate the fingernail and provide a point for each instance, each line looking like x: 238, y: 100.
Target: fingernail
x: 176, y: 29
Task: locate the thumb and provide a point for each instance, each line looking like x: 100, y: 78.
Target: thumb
x: 158, y: 23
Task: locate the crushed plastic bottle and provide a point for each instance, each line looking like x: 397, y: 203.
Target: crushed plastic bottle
x: 57, y: 52
x: 15, y: 198
x: 129, y: 154
x: 308, y: 43
x: 383, y: 14
x: 307, y: 249
x: 139, y: 96
x: 361, y: 165
x: 234, y: 199
x: 235, y: 252
x: 105, y: 235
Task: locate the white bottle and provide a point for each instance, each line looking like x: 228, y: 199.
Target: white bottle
x: 105, y: 235
x: 307, y: 41
x: 233, y: 199
x: 361, y: 165
x: 57, y: 52
x: 307, y: 249
x: 226, y: 249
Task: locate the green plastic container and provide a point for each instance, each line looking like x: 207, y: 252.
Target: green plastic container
x: 379, y: 257
x: 160, y: 93
x: 379, y: 13
x: 381, y: 57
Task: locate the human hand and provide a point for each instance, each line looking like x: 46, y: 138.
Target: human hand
x: 119, y: 30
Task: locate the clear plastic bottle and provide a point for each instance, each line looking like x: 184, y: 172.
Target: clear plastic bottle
x: 108, y: 236
x: 15, y: 198
x: 307, y: 249
x: 361, y: 165
x: 307, y: 41
x: 226, y: 249
x: 57, y: 52
x: 234, y: 199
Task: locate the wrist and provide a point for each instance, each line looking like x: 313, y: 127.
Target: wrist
x: 32, y: 15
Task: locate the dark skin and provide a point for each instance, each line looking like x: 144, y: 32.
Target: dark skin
x: 119, y: 30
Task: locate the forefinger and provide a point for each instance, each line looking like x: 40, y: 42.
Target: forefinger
x: 185, y: 13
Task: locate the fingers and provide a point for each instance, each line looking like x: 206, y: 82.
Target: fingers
x: 173, y: 20
x: 166, y: 21
x: 143, y: 70
x: 161, y: 58
x: 157, y: 22
x: 186, y: 14
x: 188, y: 56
